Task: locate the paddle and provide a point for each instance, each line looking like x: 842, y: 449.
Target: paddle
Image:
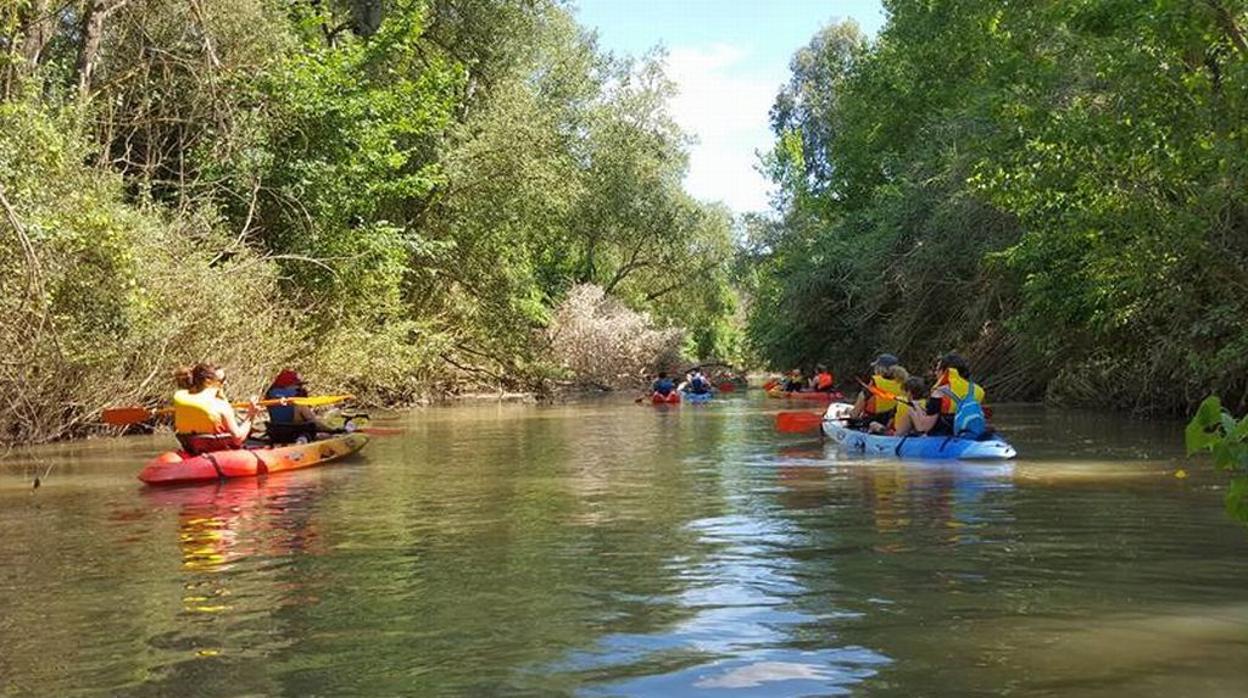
x: 798, y: 422
x: 884, y: 394
x: 123, y: 416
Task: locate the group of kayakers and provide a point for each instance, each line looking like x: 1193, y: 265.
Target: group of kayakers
x: 695, y: 383
x: 205, y: 421
x: 898, y: 403
x: 822, y: 381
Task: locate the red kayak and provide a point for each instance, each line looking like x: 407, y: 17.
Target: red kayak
x: 669, y: 399
x: 825, y: 397
x: 176, y: 467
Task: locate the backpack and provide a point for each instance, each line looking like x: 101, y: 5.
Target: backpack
x: 969, y: 419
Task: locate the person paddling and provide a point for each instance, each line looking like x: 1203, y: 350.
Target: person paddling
x: 887, y: 376
x: 289, y: 423
x: 956, y: 407
x: 695, y: 382
x: 823, y: 380
x: 203, y: 420
x: 663, y: 386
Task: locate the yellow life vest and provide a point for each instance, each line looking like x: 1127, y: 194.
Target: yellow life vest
x: 903, y: 409
x: 880, y: 405
x: 196, y: 413
x: 957, y: 385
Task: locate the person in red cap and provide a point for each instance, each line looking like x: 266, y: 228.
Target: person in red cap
x: 290, y: 423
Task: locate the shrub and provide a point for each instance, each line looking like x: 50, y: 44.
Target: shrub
x: 600, y: 342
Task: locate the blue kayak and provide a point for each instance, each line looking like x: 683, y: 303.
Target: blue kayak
x: 697, y: 397
x: 925, y: 447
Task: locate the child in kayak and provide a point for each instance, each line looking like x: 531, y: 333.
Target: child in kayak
x: 956, y: 404
x: 872, y: 405
x: 794, y: 382
x: 911, y: 416
x: 291, y: 423
x: 203, y: 420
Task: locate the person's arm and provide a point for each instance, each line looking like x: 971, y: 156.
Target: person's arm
x: 860, y: 405
x: 238, y: 429
x: 922, y: 420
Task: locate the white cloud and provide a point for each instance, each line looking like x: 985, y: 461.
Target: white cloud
x: 725, y: 105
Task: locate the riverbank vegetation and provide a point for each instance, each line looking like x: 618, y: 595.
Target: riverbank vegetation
x: 391, y: 196
x: 1056, y: 189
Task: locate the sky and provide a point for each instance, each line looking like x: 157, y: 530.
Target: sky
x: 728, y: 58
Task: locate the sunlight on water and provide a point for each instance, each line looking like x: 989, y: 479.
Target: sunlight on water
x: 607, y: 549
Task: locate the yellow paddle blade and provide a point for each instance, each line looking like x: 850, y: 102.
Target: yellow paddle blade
x: 316, y: 401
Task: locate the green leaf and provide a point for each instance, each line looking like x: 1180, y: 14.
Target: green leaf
x: 1237, y: 499
x: 1198, y: 434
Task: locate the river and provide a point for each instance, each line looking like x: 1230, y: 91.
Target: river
x: 606, y: 549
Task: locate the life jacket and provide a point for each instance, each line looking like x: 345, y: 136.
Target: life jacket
x: 282, y: 414
x: 698, y: 384
x: 664, y: 386
x: 195, y: 413
x: 882, y: 405
x: 964, y: 399
x: 197, y: 425
x: 824, y: 381
x: 904, y: 408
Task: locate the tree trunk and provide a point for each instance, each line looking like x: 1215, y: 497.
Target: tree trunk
x: 92, y: 32
x: 367, y: 17
x: 1226, y: 21
x: 36, y: 29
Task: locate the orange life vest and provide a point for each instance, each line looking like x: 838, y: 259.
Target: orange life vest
x: 824, y: 381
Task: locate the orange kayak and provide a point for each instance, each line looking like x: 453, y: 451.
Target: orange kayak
x: 671, y: 398
x: 176, y: 467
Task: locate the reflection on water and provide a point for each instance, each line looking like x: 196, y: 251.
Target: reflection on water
x: 606, y: 549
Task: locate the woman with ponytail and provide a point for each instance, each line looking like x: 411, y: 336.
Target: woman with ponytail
x: 202, y: 418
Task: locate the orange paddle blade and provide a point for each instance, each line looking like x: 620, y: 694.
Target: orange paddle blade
x: 798, y: 422
x: 770, y: 384
x: 123, y: 416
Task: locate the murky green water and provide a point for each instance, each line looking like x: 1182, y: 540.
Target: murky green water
x: 609, y: 549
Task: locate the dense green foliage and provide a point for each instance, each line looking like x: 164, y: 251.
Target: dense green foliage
x: 391, y: 196
x: 1056, y: 189
x: 1215, y: 431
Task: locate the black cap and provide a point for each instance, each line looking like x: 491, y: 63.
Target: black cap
x: 885, y: 361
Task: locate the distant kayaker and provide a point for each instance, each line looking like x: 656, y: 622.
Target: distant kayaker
x: 956, y: 404
x: 202, y: 419
x: 794, y: 381
x: 695, y: 382
x: 823, y: 380
x: 873, y: 405
x: 663, y: 386
x: 288, y: 423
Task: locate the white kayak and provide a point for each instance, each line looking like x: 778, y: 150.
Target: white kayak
x: 927, y: 447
